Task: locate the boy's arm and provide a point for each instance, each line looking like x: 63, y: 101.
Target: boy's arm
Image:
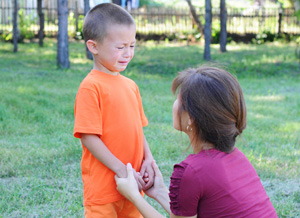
x: 147, y: 165
x: 99, y: 150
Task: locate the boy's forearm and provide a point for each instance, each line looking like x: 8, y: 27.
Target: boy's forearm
x: 99, y: 150
x: 147, y: 151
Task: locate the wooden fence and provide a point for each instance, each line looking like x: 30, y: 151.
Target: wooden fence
x: 163, y: 20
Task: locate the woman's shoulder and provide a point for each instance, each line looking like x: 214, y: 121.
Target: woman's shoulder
x: 208, y: 161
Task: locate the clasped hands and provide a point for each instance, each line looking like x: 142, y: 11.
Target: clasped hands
x: 131, y: 186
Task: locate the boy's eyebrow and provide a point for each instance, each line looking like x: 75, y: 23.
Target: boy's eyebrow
x: 125, y: 43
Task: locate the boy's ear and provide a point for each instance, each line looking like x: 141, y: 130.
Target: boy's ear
x: 92, y: 46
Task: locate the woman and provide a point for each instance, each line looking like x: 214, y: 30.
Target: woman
x: 217, y: 180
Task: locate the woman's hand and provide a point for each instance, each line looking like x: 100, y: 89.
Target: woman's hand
x: 128, y: 187
x: 159, y: 186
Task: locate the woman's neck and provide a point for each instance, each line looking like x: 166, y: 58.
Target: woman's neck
x: 200, y: 146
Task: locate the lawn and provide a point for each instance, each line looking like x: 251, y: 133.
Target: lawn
x: 40, y: 159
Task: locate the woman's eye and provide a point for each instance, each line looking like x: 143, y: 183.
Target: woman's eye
x: 132, y: 46
x: 120, y: 48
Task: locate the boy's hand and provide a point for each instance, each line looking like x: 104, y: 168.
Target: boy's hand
x: 147, y: 174
x: 159, y: 185
x: 139, y: 179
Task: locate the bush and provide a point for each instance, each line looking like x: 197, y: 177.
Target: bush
x: 25, y: 24
x: 265, y: 36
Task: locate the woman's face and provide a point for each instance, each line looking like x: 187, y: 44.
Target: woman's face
x: 180, y: 119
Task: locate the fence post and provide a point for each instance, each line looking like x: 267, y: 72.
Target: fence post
x: 279, y: 20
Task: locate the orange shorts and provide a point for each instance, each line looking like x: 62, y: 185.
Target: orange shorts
x: 119, y: 209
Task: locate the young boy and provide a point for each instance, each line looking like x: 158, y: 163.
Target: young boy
x: 109, y: 117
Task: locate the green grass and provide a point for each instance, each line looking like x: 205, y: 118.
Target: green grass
x: 40, y: 159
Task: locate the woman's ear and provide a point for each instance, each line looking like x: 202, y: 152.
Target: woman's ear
x: 190, y: 121
x: 92, y: 46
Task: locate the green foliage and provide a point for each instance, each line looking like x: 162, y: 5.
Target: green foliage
x: 215, y: 32
x: 265, y: 36
x: 25, y: 24
x: 71, y: 22
x: 297, y: 14
x: 79, y: 33
x: 6, y: 36
x: 150, y: 3
x: 40, y: 159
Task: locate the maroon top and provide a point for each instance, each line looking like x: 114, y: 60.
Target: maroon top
x: 216, y: 184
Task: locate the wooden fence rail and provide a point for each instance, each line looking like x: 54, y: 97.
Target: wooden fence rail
x: 163, y: 20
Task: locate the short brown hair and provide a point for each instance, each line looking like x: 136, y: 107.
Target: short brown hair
x: 214, y: 100
x: 100, y: 17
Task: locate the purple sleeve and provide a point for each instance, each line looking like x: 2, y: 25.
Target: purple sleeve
x: 185, y: 191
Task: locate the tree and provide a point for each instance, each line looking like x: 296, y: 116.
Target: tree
x: 42, y: 22
x: 89, y: 55
x: 223, y: 19
x: 15, y: 26
x: 207, y: 29
x: 62, y: 38
x: 195, y: 17
x: 118, y: 2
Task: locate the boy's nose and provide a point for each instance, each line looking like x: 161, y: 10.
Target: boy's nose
x: 127, y: 52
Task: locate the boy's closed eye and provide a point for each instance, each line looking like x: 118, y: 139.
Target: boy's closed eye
x: 122, y: 47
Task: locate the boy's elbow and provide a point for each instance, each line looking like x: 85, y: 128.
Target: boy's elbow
x: 87, y: 138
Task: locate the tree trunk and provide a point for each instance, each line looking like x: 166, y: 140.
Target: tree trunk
x: 207, y: 29
x: 89, y: 55
x: 42, y: 23
x: 62, y: 38
x: 118, y: 2
x: 15, y: 26
x: 195, y: 17
x: 223, y: 19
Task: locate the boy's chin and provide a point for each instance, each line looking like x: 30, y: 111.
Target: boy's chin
x: 122, y: 69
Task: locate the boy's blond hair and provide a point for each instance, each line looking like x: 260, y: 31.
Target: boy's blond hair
x: 100, y: 17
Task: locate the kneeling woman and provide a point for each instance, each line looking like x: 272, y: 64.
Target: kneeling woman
x: 217, y: 180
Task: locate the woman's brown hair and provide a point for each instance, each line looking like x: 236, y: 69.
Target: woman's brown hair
x: 214, y: 100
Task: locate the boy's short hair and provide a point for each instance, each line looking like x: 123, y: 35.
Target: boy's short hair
x: 100, y: 17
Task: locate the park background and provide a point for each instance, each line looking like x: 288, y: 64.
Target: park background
x: 40, y: 159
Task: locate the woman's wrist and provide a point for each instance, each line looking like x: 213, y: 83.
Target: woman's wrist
x: 162, y: 193
x: 163, y: 199
x: 135, y: 197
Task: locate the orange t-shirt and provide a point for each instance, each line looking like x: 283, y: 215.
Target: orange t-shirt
x: 108, y: 106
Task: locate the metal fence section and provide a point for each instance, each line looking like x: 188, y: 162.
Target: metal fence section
x: 157, y: 20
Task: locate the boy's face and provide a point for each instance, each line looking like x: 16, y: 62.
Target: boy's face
x: 116, y: 50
